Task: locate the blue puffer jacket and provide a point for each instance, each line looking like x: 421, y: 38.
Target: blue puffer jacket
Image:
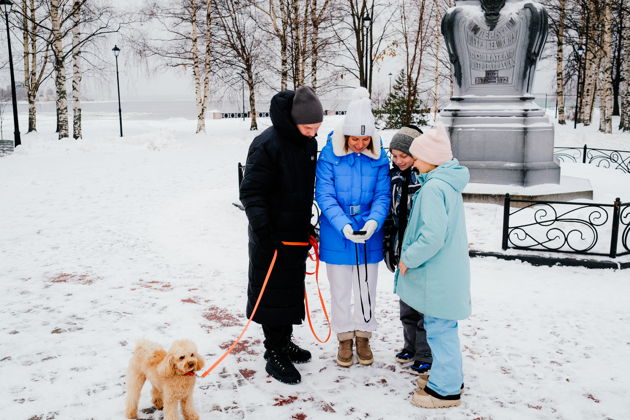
x: 351, y: 188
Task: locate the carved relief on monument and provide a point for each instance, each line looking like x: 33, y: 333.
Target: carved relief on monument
x: 493, y: 48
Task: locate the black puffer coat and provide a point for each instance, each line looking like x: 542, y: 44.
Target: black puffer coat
x: 277, y: 193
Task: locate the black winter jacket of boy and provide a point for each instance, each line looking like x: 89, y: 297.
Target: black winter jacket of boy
x: 277, y: 193
x: 404, y: 186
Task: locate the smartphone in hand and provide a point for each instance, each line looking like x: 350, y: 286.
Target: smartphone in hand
x: 359, y: 232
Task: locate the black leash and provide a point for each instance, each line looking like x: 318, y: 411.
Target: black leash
x: 356, y: 250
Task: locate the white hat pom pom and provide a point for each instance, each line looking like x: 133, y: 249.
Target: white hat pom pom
x: 360, y: 93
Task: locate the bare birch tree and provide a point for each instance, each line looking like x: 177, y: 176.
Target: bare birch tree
x: 415, y: 34
x: 188, y: 26
x: 239, y: 39
x: 606, y: 87
x: 351, y: 33
x: 76, y: 70
x: 319, y: 16
x: 60, y: 69
x: 35, y: 55
x: 277, y: 11
x: 624, y: 122
x: 592, y: 62
x: 560, y: 62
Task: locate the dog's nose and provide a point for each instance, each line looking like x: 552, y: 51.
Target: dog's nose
x: 191, y: 364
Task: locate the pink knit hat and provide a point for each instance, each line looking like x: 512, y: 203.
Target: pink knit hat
x: 433, y: 146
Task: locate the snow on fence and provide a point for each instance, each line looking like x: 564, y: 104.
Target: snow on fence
x: 567, y: 227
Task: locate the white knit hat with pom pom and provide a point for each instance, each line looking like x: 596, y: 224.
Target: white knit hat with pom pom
x: 359, y: 119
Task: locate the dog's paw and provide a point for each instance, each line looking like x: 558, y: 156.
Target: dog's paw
x: 131, y: 414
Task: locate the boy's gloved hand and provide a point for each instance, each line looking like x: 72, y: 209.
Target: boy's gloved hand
x: 369, y: 228
x: 348, y: 233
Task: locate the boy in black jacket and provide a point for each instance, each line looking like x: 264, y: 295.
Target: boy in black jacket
x: 404, y: 185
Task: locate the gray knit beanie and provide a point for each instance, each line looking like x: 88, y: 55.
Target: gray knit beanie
x: 403, y: 138
x: 307, y: 109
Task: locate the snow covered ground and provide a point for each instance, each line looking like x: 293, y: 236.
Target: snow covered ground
x: 106, y: 241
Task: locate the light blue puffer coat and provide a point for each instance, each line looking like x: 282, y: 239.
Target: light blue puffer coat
x: 351, y: 188
x: 435, y: 247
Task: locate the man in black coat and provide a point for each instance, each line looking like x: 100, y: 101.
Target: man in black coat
x: 277, y: 193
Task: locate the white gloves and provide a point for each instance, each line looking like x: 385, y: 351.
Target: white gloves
x: 348, y: 233
x: 369, y: 228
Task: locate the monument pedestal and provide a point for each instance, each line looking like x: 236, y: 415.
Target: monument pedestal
x: 502, y: 140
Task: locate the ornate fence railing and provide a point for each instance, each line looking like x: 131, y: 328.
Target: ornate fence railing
x: 567, y: 227
x: 605, y: 158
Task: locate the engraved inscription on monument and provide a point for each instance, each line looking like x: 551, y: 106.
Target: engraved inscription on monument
x: 496, y: 128
x: 492, y: 53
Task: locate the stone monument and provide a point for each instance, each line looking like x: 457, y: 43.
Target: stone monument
x: 496, y: 128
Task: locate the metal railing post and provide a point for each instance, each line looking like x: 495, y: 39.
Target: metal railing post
x: 584, y: 154
x: 615, y: 228
x: 506, y: 222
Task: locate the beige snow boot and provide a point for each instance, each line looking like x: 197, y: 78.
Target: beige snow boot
x: 344, y: 353
x: 364, y: 352
x: 423, y: 399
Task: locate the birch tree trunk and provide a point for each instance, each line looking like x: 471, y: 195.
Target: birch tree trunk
x: 60, y: 71
x: 207, y: 61
x: 26, y: 44
x: 589, y: 77
x: 437, y: 43
x: 605, y: 87
x: 624, y: 123
x: 252, y: 100
x: 76, y: 71
x: 284, y: 47
x: 314, y: 43
x: 194, y: 38
x: 560, y: 63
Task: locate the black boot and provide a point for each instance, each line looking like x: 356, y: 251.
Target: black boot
x: 297, y: 354
x: 281, y: 368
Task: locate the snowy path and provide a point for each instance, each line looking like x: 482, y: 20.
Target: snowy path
x: 103, y: 243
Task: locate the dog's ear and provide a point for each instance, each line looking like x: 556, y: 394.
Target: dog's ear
x: 200, y: 362
x: 156, y: 357
x: 166, y: 368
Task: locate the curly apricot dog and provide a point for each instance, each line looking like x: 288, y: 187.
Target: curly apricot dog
x: 172, y: 375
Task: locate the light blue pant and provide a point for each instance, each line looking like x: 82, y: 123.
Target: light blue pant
x: 446, y: 376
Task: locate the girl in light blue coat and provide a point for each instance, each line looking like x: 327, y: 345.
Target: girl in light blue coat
x: 434, y: 274
x: 352, y: 191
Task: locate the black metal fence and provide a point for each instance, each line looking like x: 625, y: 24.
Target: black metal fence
x: 605, y: 158
x: 567, y: 227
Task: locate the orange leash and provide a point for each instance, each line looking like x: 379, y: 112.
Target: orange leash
x: 312, y: 242
x: 315, y: 257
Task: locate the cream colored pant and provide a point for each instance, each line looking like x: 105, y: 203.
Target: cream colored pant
x: 346, y: 314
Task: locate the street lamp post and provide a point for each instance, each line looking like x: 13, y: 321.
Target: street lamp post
x: 390, y: 83
x: 580, y: 52
x: 366, y: 24
x: 17, y: 140
x: 116, y: 51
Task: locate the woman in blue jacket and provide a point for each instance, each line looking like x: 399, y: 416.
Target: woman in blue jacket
x: 352, y: 191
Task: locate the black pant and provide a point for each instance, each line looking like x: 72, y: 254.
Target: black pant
x: 414, y: 333
x: 277, y: 337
